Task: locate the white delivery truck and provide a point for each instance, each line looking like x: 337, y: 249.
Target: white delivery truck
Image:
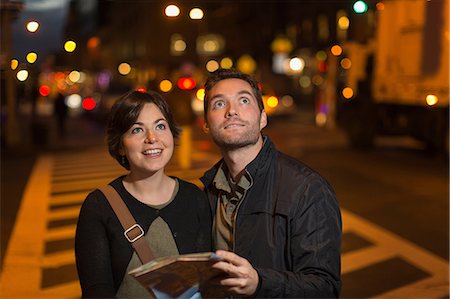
x: 400, y: 78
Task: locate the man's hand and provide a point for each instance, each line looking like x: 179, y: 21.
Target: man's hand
x: 242, y: 278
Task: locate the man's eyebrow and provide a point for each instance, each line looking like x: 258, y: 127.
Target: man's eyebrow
x: 242, y: 92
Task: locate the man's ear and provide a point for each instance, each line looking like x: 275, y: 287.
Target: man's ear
x: 263, y: 120
x: 205, y: 127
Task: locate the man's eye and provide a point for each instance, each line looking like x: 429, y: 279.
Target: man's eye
x: 136, y: 130
x: 160, y: 126
x: 218, y: 104
x: 244, y: 100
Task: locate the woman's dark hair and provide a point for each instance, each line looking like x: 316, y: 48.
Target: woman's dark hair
x: 124, y: 114
x: 222, y: 74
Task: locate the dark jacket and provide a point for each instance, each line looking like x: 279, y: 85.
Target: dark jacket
x: 288, y: 227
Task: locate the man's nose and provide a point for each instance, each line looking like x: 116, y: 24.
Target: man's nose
x: 231, y: 111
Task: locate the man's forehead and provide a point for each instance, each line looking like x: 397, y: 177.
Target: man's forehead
x: 233, y: 85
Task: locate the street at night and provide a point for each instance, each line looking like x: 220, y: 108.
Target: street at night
x: 394, y: 200
x: 358, y: 90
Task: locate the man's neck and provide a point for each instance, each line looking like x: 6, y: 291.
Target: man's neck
x: 238, y: 159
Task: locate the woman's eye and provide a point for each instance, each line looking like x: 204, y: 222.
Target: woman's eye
x: 136, y: 130
x: 160, y: 126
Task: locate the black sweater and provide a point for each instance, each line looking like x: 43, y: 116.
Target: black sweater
x: 101, y: 250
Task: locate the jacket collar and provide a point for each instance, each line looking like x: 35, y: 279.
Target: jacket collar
x: 256, y: 168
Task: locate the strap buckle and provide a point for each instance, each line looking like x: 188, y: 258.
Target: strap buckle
x: 141, y: 233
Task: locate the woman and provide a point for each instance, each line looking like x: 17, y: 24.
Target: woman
x: 174, y: 214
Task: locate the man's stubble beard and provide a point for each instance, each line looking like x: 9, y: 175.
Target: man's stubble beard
x: 234, y: 143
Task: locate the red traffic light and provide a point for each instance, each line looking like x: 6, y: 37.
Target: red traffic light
x: 186, y: 83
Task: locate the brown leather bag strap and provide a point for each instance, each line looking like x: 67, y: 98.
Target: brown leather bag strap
x: 133, y: 232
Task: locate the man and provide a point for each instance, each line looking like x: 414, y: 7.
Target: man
x: 277, y: 223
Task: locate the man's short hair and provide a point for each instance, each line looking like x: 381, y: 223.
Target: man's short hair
x: 223, y: 74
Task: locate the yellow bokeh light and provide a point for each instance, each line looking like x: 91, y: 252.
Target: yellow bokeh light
x: 196, y: 14
x: 124, y: 68
x: 431, y: 100
x: 165, y: 85
x: 347, y: 93
x: 336, y: 50
x: 272, y: 101
x: 31, y: 57
x: 321, y: 119
x: 226, y: 63
x: 22, y: 75
x: 343, y: 23
x: 212, y: 66
x: 32, y: 26
x: 346, y: 63
x: 200, y: 94
x: 14, y: 64
x: 74, y: 76
x: 172, y: 11
x: 321, y: 56
x: 246, y: 64
x: 70, y: 46
x: 179, y: 45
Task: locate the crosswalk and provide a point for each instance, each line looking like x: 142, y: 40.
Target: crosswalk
x: 40, y: 262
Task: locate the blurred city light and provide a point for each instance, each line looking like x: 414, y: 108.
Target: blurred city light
x: 196, y: 14
x: 32, y: 26
x: 212, y: 66
x: 31, y: 57
x: 431, y: 100
x: 346, y: 63
x: 74, y: 76
x: 200, y: 94
x: 44, y: 90
x: 281, y: 44
x: 272, y: 101
x: 89, y: 104
x: 186, y: 83
x: 336, y: 50
x: 380, y: 6
x: 246, y: 64
x: 321, y: 55
x: 14, y: 64
x: 73, y: 101
x: 296, y: 64
x: 347, y: 93
x: 226, y: 63
x: 172, y: 11
x: 343, y: 23
x: 22, y: 75
x: 93, y: 42
x: 360, y: 7
x: 321, y: 119
x: 124, y: 68
x: 165, y: 85
x: 304, y: 81
x: 287, y: 101
x: 70, y: 46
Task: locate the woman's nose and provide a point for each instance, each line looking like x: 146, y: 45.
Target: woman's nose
x: 151, y: 137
